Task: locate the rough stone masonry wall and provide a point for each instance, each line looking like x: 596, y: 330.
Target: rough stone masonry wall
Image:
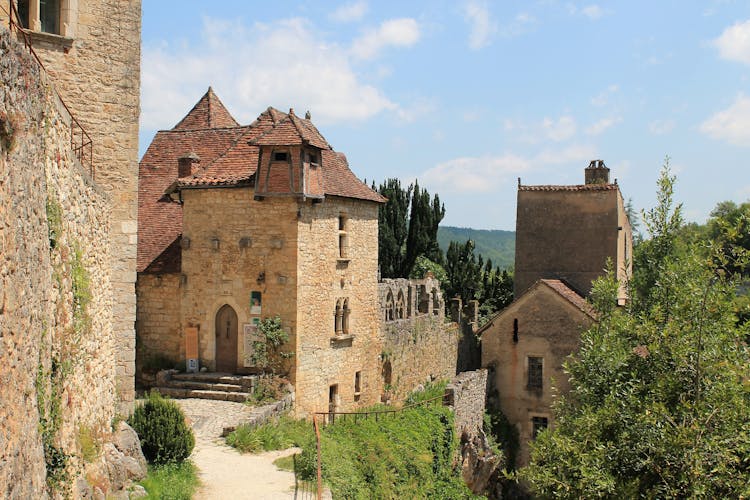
x: 158, y: 326
x: 421, y: 346
x: 96, y: 70
x: 323, y: 358
x: 58, y: 361
x: 467, y: 394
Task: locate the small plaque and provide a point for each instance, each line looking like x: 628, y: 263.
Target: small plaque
x: 255, y: 303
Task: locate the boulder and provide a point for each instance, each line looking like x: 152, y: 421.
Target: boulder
x: 126, y: 441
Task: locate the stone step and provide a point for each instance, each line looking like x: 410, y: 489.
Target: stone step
x: 215, y: 378
x: 208, y: 386
x: 173, y: 392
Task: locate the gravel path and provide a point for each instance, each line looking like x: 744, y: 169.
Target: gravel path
x: 224, y: 472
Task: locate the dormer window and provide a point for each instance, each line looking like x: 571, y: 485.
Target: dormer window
x: 313, y: 158
x: 281, y: 156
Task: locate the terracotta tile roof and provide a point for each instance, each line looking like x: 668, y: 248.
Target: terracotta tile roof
x: 570, y: 295
x: 159, y: 218
x: 573, y: 187
x: 228, y: 157
x: 169, y: 261
x: 209, y: 112
x: 292, y: 131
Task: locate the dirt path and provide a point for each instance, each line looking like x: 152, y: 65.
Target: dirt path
x: 224, y: 472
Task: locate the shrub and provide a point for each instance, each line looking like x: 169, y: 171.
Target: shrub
x: 274, y: 435
x: 160, y: 424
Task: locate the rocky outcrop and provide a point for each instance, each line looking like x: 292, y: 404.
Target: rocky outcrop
x: 481, y: 468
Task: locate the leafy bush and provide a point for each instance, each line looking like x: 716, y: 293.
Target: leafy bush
x: 175, y: 481
x: 408, y: 454
x: 275, y: 435
x: 160, y: 424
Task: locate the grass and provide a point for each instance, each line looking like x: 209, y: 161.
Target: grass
x: 286, y: 463
x: 279, y: 434
x: 173, y: 481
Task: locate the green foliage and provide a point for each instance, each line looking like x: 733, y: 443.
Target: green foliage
x: 729, y: 230
x: 279, y: 434
x: 160, y: 424
x: 495, y: 245
x: 471, y: 278
x: 267, y: 389
x: 88, y: 443
x: 171, y: 481
x: 423, y: 265
x: 49, y: 387
x: 81, y: 285
x: 407, y: 228
x: 408, y: 454
x: 505, y: 434
x: 269, y: 353
x: 54, y: 221
x: 659, y: 405
x: 157, y: 361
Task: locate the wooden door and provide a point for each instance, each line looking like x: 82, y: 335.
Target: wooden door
x: 226, y: 339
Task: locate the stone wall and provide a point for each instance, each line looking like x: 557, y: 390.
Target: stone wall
x: 467, y: 394
x: 417, y: 344
x: 547, y: 326
x: 95, y: 66
x: 57, y: 342
x: 158, y: 326
x: 326, y: 357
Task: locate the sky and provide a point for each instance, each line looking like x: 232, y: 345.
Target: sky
x: 467, y: 96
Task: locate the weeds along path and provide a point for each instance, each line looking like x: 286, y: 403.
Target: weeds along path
x: 224, y: 472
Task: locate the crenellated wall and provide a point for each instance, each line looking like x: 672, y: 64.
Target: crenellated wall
x: 418, y: 345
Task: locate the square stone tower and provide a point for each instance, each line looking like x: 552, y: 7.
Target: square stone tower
x: 91, y: 51
x: 568, y: 232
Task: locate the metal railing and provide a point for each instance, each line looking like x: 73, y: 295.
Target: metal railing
x: 330, y: 418
x: 80, y: 141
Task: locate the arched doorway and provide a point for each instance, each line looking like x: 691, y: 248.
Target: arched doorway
x: 226, y: 339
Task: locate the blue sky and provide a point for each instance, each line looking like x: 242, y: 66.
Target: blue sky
x: 467, y: 96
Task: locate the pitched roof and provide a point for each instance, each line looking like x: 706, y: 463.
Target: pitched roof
x: 208, y: 112
x: 572, y: 187
x: 228, y: 156
x: 159, y: 218
x: 560, y: 288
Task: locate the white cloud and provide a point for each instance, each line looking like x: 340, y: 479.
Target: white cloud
x: 403, y: 32
x: 734, y: 42
x: 486, y: 174
x: 593, y: 12
x: 732, y: 124
x: 350, y: 12
x: 575, y: 153
x: 557, y: 130
x: 661, y: 127
x: 473, y: 174
x: 600, y: 126
x: 282, y: 64
x: 603, y: 97
x: 482, y: 26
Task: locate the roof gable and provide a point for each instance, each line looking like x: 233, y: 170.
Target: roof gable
x: 208, y: 112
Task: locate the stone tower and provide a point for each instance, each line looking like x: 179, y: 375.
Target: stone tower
x: 569, y: 232
x: 91, y: 51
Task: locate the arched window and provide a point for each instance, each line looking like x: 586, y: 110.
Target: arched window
x: 338, y: 318
x: 400, y: 305
x: 389, y: 307
x: 345, y: 322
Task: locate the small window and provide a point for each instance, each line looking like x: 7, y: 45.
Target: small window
x: 536, y: 372
x: 357, y: 385
x: 538, y: 424
x: 338, y: 318
x: 343, y: 237
x: 49, y: 16
x: 311, y: 157
x: 280, y: 156
x: 345, y: 320
x: 515, y: 330
x: 23, y: 13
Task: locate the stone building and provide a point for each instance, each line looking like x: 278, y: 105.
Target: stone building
x: 91, y: 51
x: 68, y: 158
x: 565, y: 235
x: 240, y: 223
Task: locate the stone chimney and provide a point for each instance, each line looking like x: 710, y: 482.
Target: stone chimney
x: 187, y: 164
x: 597, y: 173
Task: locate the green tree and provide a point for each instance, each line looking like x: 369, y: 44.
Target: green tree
x: 729, y: 229
x: 659, y: 405
x: 408, y: 225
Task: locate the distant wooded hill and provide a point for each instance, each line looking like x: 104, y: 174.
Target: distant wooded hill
x: 495, y: 244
